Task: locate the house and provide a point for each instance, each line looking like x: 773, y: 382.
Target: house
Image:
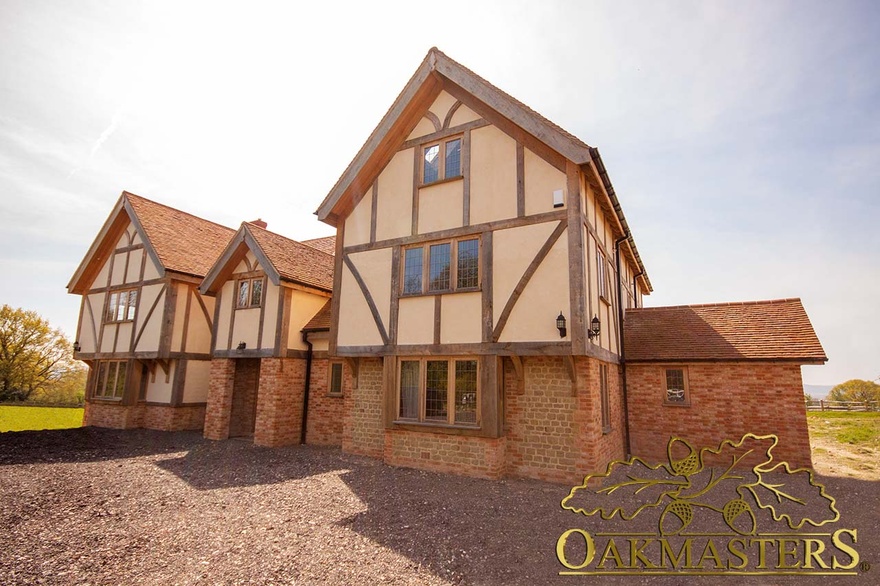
x: 484, y: 276
x: 269, y: 351
x: 144, y: 328
x: 480, y: 311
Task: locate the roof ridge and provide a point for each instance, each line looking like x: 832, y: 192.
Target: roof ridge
x: 721, y: 304
x: 288, y: 239
x: 129, y: 194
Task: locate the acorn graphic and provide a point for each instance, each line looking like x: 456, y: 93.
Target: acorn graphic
x: 739, y: 516
x: 688, y: 465
x: 675, y: 517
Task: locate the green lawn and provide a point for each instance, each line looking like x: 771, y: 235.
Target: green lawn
x: 847, y: 427
x: 16, y: 418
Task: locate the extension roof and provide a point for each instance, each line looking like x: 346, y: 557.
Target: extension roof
x: 777, y: 330
x: 438, y: 72
x: 321, y: 321
x: 176, y: 241
x: 283, y: 259
x: 326, y: 244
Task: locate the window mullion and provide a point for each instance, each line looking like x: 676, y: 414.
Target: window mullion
x: 450, y: 392
x: 423, y: 386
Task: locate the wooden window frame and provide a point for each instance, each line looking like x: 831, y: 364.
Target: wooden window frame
x: 101, y: 394
x: 604, y: 399
x: 330, y: 366
x: 250, y: 280
x: 108, y: 319
x: 441, y: 163
x: 686, y: 401
x: 425, y: 247
x: 450, y: 392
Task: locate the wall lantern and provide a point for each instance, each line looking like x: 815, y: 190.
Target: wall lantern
x: 76, y: 347
x: 560, y: 325
x: 595, y: 326
x: 242, y: 346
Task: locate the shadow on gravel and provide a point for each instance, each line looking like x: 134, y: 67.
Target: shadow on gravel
x: 90, y: 444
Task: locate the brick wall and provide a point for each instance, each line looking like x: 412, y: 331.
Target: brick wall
x: 324, y: 426
x: 472, y: 456
x: 363, y: 428
x: 596, y: 447
x: 245, y: 384
x: 219, y: 405
x: 161, y: 417
x: 280, y: 401
x: 727, y: 400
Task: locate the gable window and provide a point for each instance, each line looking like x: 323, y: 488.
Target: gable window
x: 110, y: 382
x: 676, y: 387
x: 603, y: 393
x: 334, y: 386
x: 250, y: 293
x: 600, y: 274
x: 443, y: 391
x: 441, y: 160
x: 121, y: 305
x: 451, y: 266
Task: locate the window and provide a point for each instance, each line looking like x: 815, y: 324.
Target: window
x: 676, y: 387
x: 335, y: 383
x: 110, y: 382
x: 121, y: 305
x: 443, y: 391
x: 603, y: 393
x: 600, y: 274
x: 440, y: 273
x: 250, y: 293
x: 441, y: 161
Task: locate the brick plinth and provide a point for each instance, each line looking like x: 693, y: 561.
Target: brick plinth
x: 159, y: 417
x: 471, y: 456
x: 280, y: 401
x: 324, y: 426
x: 727, y: 400
x: 363, y: 429
x: 219, y: 407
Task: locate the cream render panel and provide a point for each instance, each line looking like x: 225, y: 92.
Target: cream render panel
x: 442, y: 103
x: 117, y: 275
x: 107, y: 337
x: 462, y: 116
x: 534, y: 316
x: 374, y: 267
x: 440, y: 206
x: 179, y: 316
x: 246, y: 327
x: 415, y: 322
x: 136, y: 239
x: 135, y: 257
x: 423, y: 128
x: 247, y: 264
x: 159, y: 385
x: 394, y: 204
x: 356, y: 325
x: 320, y: 344
x: 493, y: 175
x: 103, y: 275
x: 122, y: 339
x: 149, y: 331
x: 90, y: 322
x: 270, y: 315
x: 224, y: 316
x: 195, y: 387
x: 198, y: 334
x: 540, y: 180
x: 151, y: 270
x: 303, y: 307
x: 461, y: 318
x: 512, y: 251
x: 357, y: 224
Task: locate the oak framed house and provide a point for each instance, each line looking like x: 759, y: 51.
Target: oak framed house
x: 144, y: 328
x: 480, y: 310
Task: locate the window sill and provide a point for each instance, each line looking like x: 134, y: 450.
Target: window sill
x: 121, y: 321
x: 107, y: 399
x: 441, y: 181
x: 249, y: 307
x: 335, y: 395
x: 443, y: 292
x: 671, y: 404
x: 433, y: 427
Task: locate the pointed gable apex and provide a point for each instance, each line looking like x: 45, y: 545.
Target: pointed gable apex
x: 436, y: 70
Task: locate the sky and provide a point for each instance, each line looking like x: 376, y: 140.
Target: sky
x: 742, y: 138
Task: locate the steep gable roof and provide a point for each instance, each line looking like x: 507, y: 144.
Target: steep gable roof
x: 283, y: 259
x: 326, y: 244
x: 436, y: 70
x: 175, y: 240
x: 777, y: 330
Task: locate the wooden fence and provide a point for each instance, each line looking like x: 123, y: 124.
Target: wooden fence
x: 822, y: 405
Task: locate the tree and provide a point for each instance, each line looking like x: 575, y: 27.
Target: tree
x: 856, y: 390
x: 33, y: 355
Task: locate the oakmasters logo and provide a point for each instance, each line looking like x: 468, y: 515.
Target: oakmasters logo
x: 730, y: 510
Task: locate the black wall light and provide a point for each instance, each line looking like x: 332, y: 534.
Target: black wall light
x: 560, y: 325
x: 595, y: 327
x: 76, y: 347
x: 242, y: 346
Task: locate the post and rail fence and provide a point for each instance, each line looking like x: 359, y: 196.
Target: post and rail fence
x: 823, y: 405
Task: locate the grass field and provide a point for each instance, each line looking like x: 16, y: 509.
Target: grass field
x: 845, y: 443
x: 22, y: 418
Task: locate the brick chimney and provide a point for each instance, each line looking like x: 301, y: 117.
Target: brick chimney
x: 259, y: 223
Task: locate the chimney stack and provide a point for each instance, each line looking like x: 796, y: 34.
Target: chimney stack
x: 259, y: 223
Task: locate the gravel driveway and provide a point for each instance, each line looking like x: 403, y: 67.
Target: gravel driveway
x: 96, y: 506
